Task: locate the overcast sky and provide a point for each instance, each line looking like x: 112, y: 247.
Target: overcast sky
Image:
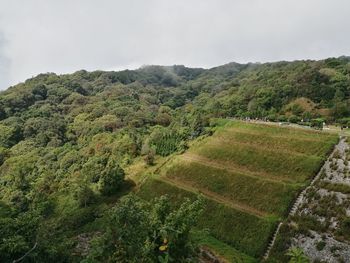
x: 67, y: 35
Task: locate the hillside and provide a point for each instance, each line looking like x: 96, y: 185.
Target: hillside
x: 320, y: 221
x: 69, y: 143
x: 249, y: 174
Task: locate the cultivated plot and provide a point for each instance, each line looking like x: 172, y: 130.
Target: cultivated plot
x: 249, y: 174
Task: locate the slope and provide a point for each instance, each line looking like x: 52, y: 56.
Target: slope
x: 249, y: 175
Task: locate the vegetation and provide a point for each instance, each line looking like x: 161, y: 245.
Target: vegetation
x: 66, y: 142
x: 140, y: 232
x: 236, y: 187
x: 221, y: 249
x: 297, y: 256
x: 244, y: 182
x: 336, y: 187
x: 249, y: 233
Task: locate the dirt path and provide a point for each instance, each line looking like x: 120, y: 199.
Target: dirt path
x: 216, y: 197
x: 236, y: 169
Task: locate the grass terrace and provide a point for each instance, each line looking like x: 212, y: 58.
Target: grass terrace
x: 249, y: 174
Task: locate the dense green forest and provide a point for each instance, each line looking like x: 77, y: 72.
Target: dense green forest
x: 66, y: 140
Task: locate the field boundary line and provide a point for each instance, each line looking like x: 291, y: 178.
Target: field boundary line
x: 217, y: 198
x: 237, y: 169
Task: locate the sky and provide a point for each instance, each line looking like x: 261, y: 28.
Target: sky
x: 38, y: 36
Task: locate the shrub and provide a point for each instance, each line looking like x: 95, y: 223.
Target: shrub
x: 320, y: 245
x: 165, y: 141
x: 282, y: 118
x: 111, y: 179
x: 294, y: 119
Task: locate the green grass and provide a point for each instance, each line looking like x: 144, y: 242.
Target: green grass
x: 285, y: 165
x: 221, y: 249
x: 274, y: 130
x: 282, y: 142
x: 243, y: 231
x: 336, y: 187
x: 271, y: 197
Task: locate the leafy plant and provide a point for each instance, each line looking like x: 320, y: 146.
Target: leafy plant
x: 297, y: 255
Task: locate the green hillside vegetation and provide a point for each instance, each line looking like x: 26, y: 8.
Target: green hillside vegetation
x: 68, y: 142
x: 222, y: 250
x: 249, y: 187
x: 229, y: 225
x: 235, y: 187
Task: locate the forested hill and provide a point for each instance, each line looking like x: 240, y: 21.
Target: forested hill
x: 256, y: 90
x: 65, y: 140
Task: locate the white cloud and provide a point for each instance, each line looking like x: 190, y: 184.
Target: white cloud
x: 68, y: 35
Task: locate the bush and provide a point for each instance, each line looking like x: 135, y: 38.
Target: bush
x: 282, y: 118
x: 111, y: 178
x: 294, y: 119
x: 317, y: 123
x: 165, y: 141
x: 320, y: 245
x: 149, y: 153
x: 149, y: 157
x: 84, y: 195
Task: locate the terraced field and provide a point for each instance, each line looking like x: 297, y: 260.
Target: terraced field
x: 249, y: 174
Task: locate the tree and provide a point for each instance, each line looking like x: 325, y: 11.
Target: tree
x: 163, y: 119
x: 173, y: 226
x: 147, y: 232
x: 149, y: 153
x: 317, y: 123
x: 297, y: 255
x: 6, y: 136
x: 3, y: 153
x: 40, y: 92
x: 198, y: 123
x: 18, y: 235
x: 294, y: 119
x: 111, y: 178
x: 93, y: 168
x: 84, y: 195
x: 340, y: 110
x: 2, y: 112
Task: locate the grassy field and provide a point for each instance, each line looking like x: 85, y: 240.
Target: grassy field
x: 249, y: 175
x: 285, y: 142
x: 225, y: 252
x: 278, y: 164
x: 229, y: 225
x: 235, y: 187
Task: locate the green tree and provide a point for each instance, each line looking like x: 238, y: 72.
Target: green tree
x: 111, y: 178
x: 149, y: 153
x: 2, y: 112
x: 126, y: 237
x: 84, y: 195
x: 3, y: 153
x: 6, y: 136
x: 147, y: 232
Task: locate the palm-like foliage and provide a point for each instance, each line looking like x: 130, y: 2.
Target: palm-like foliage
x: 297, y: 255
